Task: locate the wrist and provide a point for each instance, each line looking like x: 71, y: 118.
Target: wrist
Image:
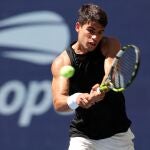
x: 72, y: 101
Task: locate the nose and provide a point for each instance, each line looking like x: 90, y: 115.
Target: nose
x: 93, y: 36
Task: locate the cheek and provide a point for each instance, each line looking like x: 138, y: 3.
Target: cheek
x: 85, y: 36
x: 82, y: 36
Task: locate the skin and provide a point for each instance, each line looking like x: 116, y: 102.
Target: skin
x: 89, y: 35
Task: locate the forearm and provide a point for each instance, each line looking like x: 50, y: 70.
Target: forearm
x: 60, y: 104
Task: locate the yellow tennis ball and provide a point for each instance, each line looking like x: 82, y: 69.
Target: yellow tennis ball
x: 67, y: 71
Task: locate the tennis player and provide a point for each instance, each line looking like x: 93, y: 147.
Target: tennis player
x: 100, y: 121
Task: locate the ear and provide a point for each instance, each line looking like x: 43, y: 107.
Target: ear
x: 77, y: 26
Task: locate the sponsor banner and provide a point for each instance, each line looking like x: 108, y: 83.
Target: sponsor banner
x: 29, y: 41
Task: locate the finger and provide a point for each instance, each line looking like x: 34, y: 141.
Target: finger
x: 94, y: 88
x: 98, y: 90
x: 83, y: 101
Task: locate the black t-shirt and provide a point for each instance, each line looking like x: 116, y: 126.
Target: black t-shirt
x: 106, y: 117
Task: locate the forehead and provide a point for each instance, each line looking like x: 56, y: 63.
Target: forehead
x: 94, y: 25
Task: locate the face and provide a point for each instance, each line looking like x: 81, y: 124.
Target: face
x: 89, y: 35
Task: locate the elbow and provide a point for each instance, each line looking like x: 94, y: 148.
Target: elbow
x: 56, y: 106
x: 59, y: 107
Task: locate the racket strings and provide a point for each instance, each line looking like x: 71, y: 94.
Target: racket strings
x: 124, y: 70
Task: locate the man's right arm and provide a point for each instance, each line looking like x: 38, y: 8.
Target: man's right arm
x: 60, y: 85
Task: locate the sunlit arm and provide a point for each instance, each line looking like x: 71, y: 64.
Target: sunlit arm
x: 60, y: 85
x: 109, y: 50
x: 60, y: 94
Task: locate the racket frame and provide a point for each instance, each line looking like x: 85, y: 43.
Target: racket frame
x: 108, y: 83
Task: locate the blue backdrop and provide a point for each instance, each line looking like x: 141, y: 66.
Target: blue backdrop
x: 32, y: 34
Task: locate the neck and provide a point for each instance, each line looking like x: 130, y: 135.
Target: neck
x: 79, y: 48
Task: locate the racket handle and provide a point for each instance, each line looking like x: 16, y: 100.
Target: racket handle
x: 102, y: 88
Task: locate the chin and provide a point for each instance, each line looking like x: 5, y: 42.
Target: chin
x: 91, y: 48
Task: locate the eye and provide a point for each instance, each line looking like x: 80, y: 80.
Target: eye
x: 90, y: 31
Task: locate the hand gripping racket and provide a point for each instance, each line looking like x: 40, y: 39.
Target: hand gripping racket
x: 123, y: 70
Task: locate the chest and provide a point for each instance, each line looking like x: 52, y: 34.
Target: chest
x: 89, y: 70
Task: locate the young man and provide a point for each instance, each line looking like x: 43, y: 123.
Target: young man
x: 100, y: 121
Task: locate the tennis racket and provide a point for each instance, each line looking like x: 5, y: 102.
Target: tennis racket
x: 123, y: 70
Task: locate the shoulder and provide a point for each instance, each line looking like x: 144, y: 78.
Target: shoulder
x: 110, y: 46
x: 60, y: 61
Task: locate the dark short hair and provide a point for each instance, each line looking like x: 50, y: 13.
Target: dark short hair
x: 92, y: 12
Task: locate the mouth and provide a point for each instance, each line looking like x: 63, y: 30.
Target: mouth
x: 92, y: 44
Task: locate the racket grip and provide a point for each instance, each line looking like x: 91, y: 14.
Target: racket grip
x: 102, y: 88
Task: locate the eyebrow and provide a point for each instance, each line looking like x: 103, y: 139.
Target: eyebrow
x: 91, y: 28
x: 95, y: 29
